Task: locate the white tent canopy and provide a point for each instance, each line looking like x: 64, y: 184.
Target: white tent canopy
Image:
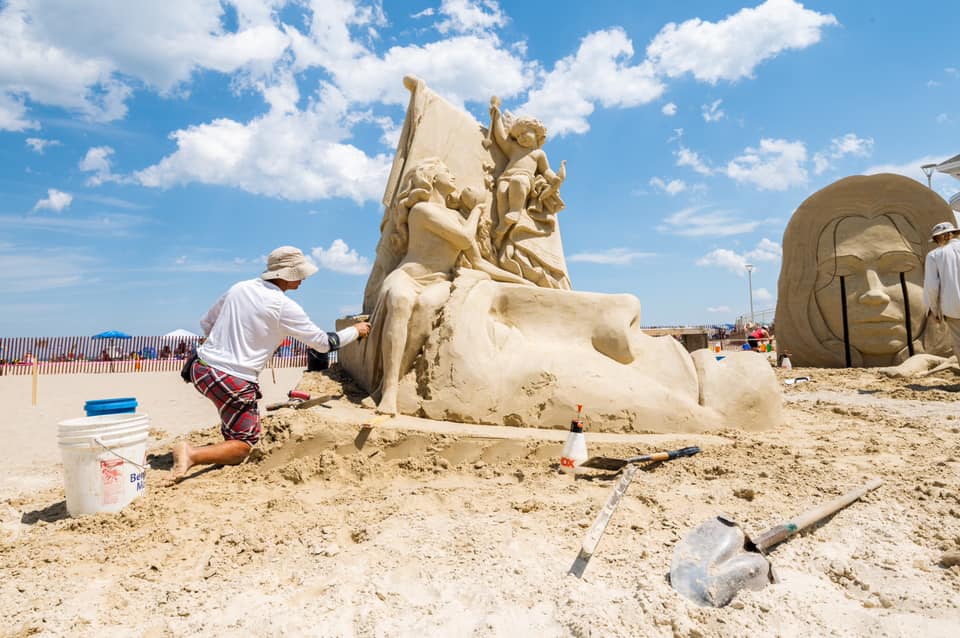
x: 180, y: 332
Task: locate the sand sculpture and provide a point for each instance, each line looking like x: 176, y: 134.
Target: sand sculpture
x: 473, y: 315
x: 852, y: 274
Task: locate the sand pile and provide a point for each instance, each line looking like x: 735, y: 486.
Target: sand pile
x: 420, y: 533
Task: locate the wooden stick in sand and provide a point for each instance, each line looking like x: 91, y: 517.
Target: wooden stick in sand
x: 34, y: 383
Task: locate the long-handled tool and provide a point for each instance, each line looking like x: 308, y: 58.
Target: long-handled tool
x: 718, y: 559
x: 301, y: 400
x: 612, y: 464
x: 589, y: 545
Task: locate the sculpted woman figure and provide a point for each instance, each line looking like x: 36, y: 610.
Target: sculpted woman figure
x: 432, y: 234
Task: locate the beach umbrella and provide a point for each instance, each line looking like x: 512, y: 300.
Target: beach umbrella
x: 112, y: 335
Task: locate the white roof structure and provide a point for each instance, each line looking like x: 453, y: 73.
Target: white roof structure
x: 951, y: 167
x: 180, y: 332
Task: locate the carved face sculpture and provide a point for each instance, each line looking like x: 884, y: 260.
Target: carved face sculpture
x: 867, y: 229
x: 870, y: 254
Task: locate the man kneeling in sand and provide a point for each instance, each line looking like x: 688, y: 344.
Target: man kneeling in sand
x: 243, y: 329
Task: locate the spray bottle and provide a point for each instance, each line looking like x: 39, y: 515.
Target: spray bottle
x: 575, y: 449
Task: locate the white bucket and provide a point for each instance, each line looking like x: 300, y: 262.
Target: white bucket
x: 104, y: 460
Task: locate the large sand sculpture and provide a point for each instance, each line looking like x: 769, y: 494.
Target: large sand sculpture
x: 473, y: 315
x: 852, y: 274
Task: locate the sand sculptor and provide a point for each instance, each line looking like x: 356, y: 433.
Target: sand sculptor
x: 242, y: 330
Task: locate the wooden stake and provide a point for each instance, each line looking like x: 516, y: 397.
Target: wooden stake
x: 34, y: 384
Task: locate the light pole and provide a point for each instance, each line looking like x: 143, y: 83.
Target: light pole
x: 928, y: 171
x: 749, y: 268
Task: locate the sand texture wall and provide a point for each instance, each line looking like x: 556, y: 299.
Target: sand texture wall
x: 473, y: 315
x: 852, y: 274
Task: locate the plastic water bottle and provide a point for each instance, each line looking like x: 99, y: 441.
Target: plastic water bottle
x: 786, y: 363
x: 575, y: 449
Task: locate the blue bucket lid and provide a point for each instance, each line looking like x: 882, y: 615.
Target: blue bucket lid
x: 125, y: 403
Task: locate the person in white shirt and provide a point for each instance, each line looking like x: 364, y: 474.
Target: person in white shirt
x: 242, y: 330
x: 941, y: 280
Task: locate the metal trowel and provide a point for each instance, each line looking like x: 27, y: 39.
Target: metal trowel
x: 718, y: 559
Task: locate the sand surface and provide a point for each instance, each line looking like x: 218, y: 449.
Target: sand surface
x: 430, y: 529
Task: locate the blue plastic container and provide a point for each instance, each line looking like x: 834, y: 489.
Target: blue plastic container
x: 99, y: 407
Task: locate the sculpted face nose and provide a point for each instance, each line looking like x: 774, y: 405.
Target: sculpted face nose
x: 875, y: 294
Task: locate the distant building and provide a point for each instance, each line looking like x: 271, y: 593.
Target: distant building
x: 951, y: 167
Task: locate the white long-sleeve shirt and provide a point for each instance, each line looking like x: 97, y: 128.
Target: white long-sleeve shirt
x: 245, y: 326
x: 941, y: 280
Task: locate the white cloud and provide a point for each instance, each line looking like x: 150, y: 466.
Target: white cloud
x: 776, y: 165
x: 951, y: 71
x: 765, y: 251
x: 686, y: 157
x: 669, y: 109
x: 100, y: 226
x: 849, y: 144
x: 933, y: 83
x: 235, y: 265
x: 468, y: 67
x: 97, y: 161
x: 55, y: 201
x: 339, y: 257
x: 38, y: 144
x: 88, y: 57
x: 762, y: 294
x: 286, y: 153
x: 599, y: 72
x: 697, y: 222
x: 943, y: 184
x: 463, y: 16
x: 732, y: 48
x: 13, y: 113
x: 712, y: 112
x: 944, y: 118
x: 618, y: 256
x: 717, y: 309
x: 35, y: 270
x: 673, y: 187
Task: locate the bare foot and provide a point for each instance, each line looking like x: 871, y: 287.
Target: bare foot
x: 388, y: 402
x: 181, y: 461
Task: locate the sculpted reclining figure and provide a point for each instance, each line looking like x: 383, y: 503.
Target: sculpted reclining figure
x: 432, y: 236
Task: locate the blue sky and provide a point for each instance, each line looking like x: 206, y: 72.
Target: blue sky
x: 151, y: 154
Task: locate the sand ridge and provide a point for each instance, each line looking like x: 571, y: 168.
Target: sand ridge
x: 431, y: 533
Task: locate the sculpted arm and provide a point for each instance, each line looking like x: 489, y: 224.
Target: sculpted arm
x: 445, y: 223
x: 472, y: 253
x: 543, y: 167
x: 506, y: 145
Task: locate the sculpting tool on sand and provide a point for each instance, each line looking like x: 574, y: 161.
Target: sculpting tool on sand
x: 718, y: 559
x: 589, y: 545
x: 612, y: 464
x: 301, y: 400
x: 366, y: 428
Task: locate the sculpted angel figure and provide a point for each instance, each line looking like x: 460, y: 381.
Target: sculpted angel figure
x: 433, y: 234
x: 527, y: 201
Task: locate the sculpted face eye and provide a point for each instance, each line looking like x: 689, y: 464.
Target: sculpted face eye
x: 897, y: 262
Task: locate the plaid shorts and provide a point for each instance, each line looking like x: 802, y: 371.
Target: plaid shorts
x: 235, y: 398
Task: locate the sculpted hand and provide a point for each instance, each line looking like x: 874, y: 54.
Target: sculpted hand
x: 363, y: 328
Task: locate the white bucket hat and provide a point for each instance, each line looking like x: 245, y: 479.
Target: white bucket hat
x: 289, y: 264
x: 941, y: 228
